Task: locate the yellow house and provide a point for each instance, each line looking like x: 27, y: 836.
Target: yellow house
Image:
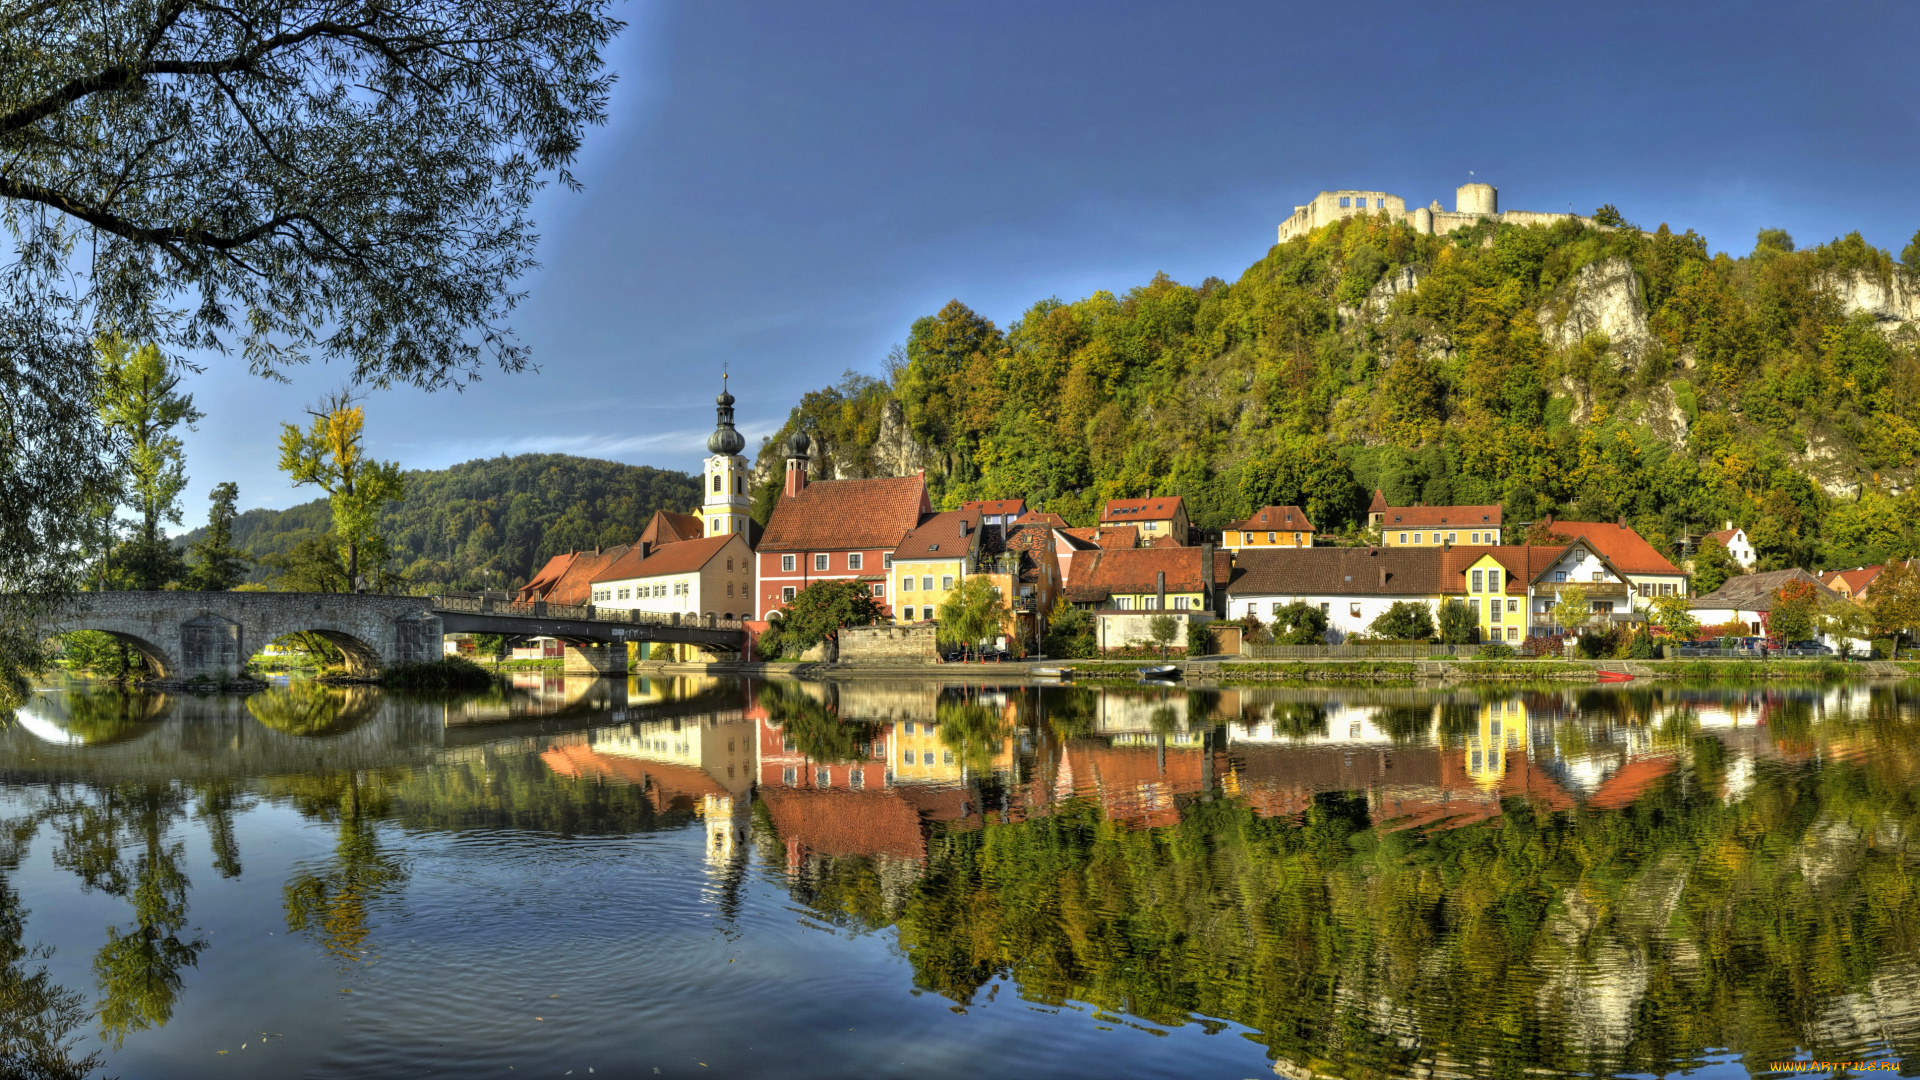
x: 1434, y: 526
x: 1270, y: 526
x: 931, y: 561
x: 918, y: 755
x: 1497, y: 595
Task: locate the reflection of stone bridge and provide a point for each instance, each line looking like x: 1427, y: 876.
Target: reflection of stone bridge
x: 189, y: 634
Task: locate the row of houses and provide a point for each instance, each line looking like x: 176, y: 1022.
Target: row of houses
x: 1142, y: 556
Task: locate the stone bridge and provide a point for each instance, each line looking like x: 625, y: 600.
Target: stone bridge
x: 185, y: 635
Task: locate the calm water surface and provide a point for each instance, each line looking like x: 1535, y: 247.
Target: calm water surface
x: 717, y: 878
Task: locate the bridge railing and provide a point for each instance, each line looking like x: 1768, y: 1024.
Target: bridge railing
x: 540, y: 609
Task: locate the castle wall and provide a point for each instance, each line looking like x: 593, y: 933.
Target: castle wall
x: 1473, y: 203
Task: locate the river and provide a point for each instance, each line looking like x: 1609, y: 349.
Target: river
x: 711, y: 877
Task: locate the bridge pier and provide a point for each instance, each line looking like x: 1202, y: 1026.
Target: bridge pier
x: 608, y: 659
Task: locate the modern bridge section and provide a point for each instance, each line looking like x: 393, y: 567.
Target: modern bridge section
x: 185, y: 635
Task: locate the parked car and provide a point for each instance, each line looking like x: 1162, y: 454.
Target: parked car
x: 1810, y: 648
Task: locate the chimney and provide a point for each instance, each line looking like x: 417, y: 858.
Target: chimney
x: 1623, y: 523
x: 1729, y: 524
x: 1160, y: 586
x: 1383, y: 575
x: 1206, y: 576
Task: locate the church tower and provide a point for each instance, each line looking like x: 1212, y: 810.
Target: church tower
x: 725, y: 507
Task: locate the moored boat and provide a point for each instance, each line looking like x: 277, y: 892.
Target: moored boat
x: 1161, y: 671
x: 1615, y: 676
x: 1053, y: 672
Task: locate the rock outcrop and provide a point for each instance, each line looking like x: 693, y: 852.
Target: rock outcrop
x: 895, y: 452
x: 1605, y: 297
x: 1894, y: 301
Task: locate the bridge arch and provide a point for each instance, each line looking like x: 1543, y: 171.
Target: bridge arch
x: 164, y: 664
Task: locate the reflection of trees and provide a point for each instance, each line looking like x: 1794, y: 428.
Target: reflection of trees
x: 108, y: 714
x: 817, y: 731
x: 1071, y: 711
x: 40, y: 1020
x: 1592, y: 942
x: 138, y: 969
x: 974, y: 732
x: 334, y: 903
x: 304, y: 708
x: 1299, y: 719
x: 1404, y: 724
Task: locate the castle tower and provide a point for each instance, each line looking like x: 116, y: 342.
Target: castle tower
x: 725, y: 507
x: 1476, y: 199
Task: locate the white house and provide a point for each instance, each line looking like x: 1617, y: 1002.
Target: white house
x: 709, y: 576
x: 1351, y: 586
x: 1736, y: 543
x: 1618, y: 570
x: 1748, y: 599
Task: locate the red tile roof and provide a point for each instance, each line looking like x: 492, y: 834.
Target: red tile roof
x: 682, y: 558
x: 952, y: 535
x: 1857, y: 579
x: 1451, y: 517
x: 545, y: 579
x: 1126, y: 536
x: 1523, y: 562
x: 1099, y: 574
x: 1003, y: 507
x: 1357, y: 571
x: 1619, y: 545
x: 575, y: 586
x: 1629, y: 782
x: 1159, y: 508
x: 847, y: 515
x: 833, y: 821
x: 1035, y: 517
x: 668, y: 527
x: 1274, y: 518
x: 1164, y: 541
x: 1379, y: 504
x: 1725, y: 536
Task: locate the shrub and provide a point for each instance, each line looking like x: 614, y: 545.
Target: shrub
x: 1299, y: 623
x: 1554, y: 645
x: 1199, y: 640
x: 1404, y: 619
x: 1640, y: 647
x: 1496, y: 650
x: 1883, y: 648
x: 1069, y: 633
x: 1592, y: 646
x: 1457, y: 622
x: 453, y: 673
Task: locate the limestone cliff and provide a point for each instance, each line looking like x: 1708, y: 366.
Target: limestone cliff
x: 1893, y: 300
x: 1605, y: 297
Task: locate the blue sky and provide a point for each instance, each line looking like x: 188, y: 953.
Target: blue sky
x: 783, y: 188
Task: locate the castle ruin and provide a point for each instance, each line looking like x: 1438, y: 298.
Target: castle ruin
x: 1471, y: 203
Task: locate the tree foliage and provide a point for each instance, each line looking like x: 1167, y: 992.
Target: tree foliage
x: 1712, y: 566
x: 217, y: 564
x: 330, y: 456
x: 1299, y: 623
x: 1404, y: 620
x: 818, y: 612
x: 141, y: 405
x: 971, y: 613
x: 1070, y: 633
x: 1795, y: 605
x: 1457, y: 622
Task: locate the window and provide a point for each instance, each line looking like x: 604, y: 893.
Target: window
x: 1277, y: 605
x: 1149, y: 603
x: 1379, y: 204
x: 1493, y: 611
x: 906, y: 757
x: 853, y: 561
x: 729, y: 564
x: 856, y: 778
x: 1513, y: 605
x: 1476, y: 581
x: 1296, y: 539
x: 906, y: 583
x: 1403, y: 538
x: 1646, y: 589
x: 820, y: 562
x: 1666, y: 589
x: 946, y: 757
x: 1125, y: 603
x: 822, y: 777
x: 787, y: 776
x: 886, y: 561
x: 786, y: 563
x: 625, y: 592
x: 1346, y: 200
x: 786, y: 593
x: 946, y: 582
x: 1416, y: 538
x: 1450, y: 537
x: 1599, y: 575
x: 1493, y: 581
x: 1180, y: 602
x: 926, y: 584
x: 909, y: 727
x: 1559, y: 575
x: 1513, y: 633
x: 716, y: 481
x: 1270, y: 537
x: 926, y: 757
x: 1353, y: 610
x: 729, y: 588
x: 879, y: 588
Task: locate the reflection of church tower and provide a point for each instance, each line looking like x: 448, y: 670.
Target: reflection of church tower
x: 725, y: 507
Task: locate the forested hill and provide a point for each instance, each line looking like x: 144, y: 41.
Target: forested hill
x: 1588, y: 372
x: 502, y: 515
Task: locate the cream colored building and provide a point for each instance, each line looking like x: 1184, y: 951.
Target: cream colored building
x: 932, y: 561
x: 1472, y: 203
x: 710, y: 576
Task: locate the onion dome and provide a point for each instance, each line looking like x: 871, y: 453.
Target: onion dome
x: 798, y: 444
x: 725, y: 440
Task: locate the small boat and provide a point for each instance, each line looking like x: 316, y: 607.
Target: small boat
x: 1158, y: 682
x: 1161, y: 671
x: 1615, y: 676
x: 1052, y: 672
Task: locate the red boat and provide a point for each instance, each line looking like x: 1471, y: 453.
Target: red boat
x: 1615, y: 676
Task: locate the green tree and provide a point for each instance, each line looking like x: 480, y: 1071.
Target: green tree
x: 1299, y: 623
x: 1163, y: 628
x: 1672, y: 614
x: 330, y: 456
x: 1572, y: 610
x: 217, y: 564
x: 1893, y: 604
x: 1845, y: 622
x: 1070, y: 633
x: 1610, y: 216
x: 1910, y: 255
x: 1795, y: 604
x: 1457, y: 622
x: 141, y: 404
x: 971, y: 613
x: 1712, y: 566
x: 1405, y: 620
x: 1303, y: 471
x: 819, y: 611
